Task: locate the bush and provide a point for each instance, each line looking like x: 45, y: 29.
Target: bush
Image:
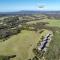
x: 7, y: 57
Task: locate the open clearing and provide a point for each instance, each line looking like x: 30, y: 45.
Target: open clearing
x: 52, y: 22
x: 21, y: 45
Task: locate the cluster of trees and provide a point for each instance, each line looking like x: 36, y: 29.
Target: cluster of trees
x: 38, y: 54
x: 43, y: 25
x: 11, y: 22
x: 39, y: 25
x: 9, y: 26
x: 7, y: 57
x: 34, y: 58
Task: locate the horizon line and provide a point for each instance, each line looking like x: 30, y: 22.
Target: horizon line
x: 26, y: 10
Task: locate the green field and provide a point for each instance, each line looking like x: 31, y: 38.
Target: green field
x: 53, y: 52
x: 52, y: 22
x: 22, y: 44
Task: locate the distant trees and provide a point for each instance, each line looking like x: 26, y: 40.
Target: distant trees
x: 9, y: 27
x: 3, y: 33
x: 11, y: 21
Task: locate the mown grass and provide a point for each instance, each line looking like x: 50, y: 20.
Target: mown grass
x: 21, y: 45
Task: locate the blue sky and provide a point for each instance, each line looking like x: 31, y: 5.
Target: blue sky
x: 17, y: 5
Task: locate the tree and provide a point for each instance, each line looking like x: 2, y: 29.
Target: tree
x: 35, y: 58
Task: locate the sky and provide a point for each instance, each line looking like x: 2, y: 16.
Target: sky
x: 35, y: 5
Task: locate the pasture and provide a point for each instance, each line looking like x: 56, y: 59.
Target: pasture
x: 21, y: 45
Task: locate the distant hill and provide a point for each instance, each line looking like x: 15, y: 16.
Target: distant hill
x: 29, y: 12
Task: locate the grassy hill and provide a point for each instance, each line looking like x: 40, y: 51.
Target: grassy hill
x: 21, y: 45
